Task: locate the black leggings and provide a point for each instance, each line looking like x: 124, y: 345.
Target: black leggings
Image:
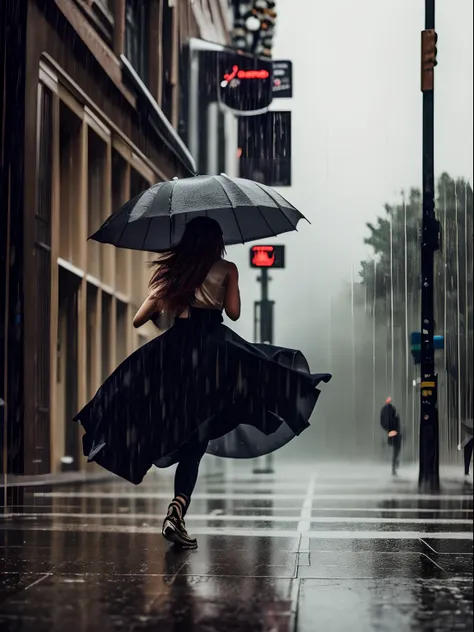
x: 467, y: 457
x: 396, y: 448
x: 188, y: 468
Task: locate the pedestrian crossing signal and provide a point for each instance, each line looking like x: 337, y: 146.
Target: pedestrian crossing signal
x: 267, y: 256
x: 438, y: 345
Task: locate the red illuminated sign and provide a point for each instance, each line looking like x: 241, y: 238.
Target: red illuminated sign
x: 263, y: 256
x: 267, y: 256
x: 245, y: 83
x: 244, y: 74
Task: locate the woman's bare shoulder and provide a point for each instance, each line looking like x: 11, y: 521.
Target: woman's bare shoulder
x: 229, y: 266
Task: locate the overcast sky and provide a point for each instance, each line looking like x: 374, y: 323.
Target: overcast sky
x: 357, y: 138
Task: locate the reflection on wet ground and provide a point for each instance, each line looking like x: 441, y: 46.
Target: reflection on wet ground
x: 304, y: 550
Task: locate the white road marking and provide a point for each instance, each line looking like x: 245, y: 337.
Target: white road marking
x: 384, y: 510
x: 40, y: 579
x: 304, y: 520
x: 255, y: 496
x: 390, y: 535
x: 305, y: 517
x: 266, y: 533
x: 165, y: 496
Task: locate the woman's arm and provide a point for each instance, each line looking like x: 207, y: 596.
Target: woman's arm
x: 232, y: 295
x: 146, y: 311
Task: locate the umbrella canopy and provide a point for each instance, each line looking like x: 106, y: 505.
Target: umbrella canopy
x: 156, y: 218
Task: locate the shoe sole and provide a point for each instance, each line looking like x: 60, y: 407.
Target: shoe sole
x: 171, y: 534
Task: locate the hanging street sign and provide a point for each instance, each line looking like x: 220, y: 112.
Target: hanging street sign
x: 243, y: 75
x: 245, y: 83
x: 282, y: 79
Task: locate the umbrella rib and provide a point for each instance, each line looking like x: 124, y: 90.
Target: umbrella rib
x: 261, y: 212
x: 279, y: 207
x: 266, y: 221
x: 232, y: 206
x: 146, y: 233
x: 238, y: 225
x: 170, y: 204
x: 123, y: 230
x: 276, y: 202
x: 126, y: 223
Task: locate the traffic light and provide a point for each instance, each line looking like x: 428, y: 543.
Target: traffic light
x: 438, y: 345
x: 267, y: 256
x: 429, y: 53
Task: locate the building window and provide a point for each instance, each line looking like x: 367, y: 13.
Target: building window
x: 97, y: 157
x: 70, y: 156
x: 105, y: 336
x: 221, y: 143
x: 39, y: 433
x: 167, y: 61
x: 122, y: 326
x: 136, y: 36
x: 120, y: 194
x: 265, y: 148
x: 84, y: 293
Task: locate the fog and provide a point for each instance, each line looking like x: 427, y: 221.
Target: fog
x: 357, y: 134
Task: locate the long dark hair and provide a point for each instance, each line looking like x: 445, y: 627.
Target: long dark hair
x: 181, y: 270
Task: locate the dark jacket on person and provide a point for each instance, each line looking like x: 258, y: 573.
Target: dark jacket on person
x: 389, y: 419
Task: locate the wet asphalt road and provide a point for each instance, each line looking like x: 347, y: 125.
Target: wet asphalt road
x: 308, y: 549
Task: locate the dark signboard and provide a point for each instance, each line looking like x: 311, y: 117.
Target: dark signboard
x: 265, y: 148
x: 282, y: 79
x: 245, y: 83
x: 267, y: 256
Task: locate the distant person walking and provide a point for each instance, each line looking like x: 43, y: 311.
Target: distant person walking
x: 467, y: 445
x: 390, y: 422
x: 467, y: 457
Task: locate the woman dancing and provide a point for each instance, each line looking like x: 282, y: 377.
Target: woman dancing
x: 199, y: 387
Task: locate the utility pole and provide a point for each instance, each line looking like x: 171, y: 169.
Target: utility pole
x: 265, y: 257
x: 429, y: 427
x: 263, y: 328
x: 264, y: 309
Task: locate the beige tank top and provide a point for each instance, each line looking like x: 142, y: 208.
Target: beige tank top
x: 211, y: 294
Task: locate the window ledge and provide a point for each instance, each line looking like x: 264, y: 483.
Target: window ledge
x: 99, y: 17
x: 96, y: 45
x: 162, y: 125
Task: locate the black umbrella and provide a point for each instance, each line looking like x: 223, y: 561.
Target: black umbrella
x: 155, y: 219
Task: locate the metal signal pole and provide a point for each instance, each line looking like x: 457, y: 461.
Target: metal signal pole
x: 264, y: 323
x: 429, y: 428
x: 264, y: 257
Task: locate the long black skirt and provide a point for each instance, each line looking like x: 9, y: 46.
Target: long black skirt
x: 197, y: 381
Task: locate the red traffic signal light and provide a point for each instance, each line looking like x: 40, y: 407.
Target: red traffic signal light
x: 267, y: 256
x: 429, y: 52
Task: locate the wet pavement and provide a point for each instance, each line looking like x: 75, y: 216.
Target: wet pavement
x: 308, y: 549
